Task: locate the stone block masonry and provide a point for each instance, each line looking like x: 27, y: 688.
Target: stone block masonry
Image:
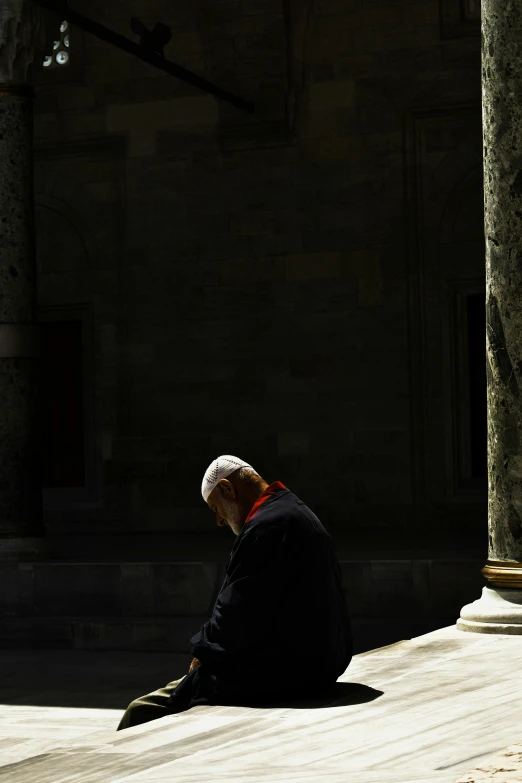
x: 260, y: 295
x: 147, y: 605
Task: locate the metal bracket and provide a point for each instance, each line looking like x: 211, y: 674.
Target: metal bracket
x: 143, y: 53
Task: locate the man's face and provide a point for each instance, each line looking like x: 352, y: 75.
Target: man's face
x: 226, y: 509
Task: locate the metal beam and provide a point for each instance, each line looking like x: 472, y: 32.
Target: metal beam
x: 121, y: 42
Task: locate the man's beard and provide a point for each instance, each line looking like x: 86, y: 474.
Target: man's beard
x: 231, y: 513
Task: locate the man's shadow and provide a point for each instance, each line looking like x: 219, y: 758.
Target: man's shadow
x: 342, y: 694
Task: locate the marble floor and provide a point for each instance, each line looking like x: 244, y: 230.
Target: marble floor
x: 430, y: 709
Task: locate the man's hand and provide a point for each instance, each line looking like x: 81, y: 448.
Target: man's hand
x: 194, y: 663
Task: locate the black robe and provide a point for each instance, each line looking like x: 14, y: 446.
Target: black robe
x: 280, y: 626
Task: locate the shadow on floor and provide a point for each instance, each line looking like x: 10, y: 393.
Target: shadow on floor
x: 78, y: 678
x: 341, y: 695
x: 111, y: 680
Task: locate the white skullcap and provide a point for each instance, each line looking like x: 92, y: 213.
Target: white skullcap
x: 220, y: 469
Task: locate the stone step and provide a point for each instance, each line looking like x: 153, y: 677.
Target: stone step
x: 173, y: 634
x: 392, y: 588
x: 142, y: 634
x: 423, y: 711
x: 113, y: 590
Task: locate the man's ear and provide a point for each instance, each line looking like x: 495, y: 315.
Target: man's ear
x: 227, y: 489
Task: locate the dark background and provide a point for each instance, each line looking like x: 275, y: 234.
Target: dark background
x: 302, y: 287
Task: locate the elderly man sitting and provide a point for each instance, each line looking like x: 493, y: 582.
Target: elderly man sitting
x: 280, y: 626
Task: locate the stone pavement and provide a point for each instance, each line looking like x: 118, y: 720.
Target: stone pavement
x: 52, y: 696
x: 504, y: 767
x: 420, y: 711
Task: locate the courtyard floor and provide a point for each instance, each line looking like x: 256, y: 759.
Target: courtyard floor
x: 421, y: 711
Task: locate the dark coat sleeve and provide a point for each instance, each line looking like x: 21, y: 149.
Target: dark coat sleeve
x: 245, y: 615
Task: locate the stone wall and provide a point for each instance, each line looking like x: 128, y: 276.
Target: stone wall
x: 275, y: 285
x: 160, y: 606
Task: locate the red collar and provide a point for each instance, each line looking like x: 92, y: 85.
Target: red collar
x: 277, y: 486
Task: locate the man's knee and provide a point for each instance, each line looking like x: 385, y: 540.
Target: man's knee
x: 149, y: 707
x: 130, y: 715
x: 134, y: 705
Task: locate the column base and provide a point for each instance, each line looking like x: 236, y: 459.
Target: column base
x: 498, y: 610
x: 21, y: 548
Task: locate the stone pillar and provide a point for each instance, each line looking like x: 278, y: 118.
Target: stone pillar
x: 499, y: 610
x: 21, y: 526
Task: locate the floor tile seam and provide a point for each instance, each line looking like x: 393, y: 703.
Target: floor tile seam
x: 505, y: 680
x: 367, y: 668
x: 196, y: 719
x: 137, y: 776
x: 232, y: 766
x: 427, y: 745
x: 67, y: 749
x: 406, y: 738
x: 375, y: 722
x: 397, y: 688
x: 123, y: 747
x: 334, y: 776
x: 85, y: 747
x: 297, y: 751
x: 463, y: 714
x: 473, y: 697
x: 381, y: 745
x: 167, y: 723
x: 343, y: 757
x: 435, y: 663
x: 418, y: 643
x: 405, y: 735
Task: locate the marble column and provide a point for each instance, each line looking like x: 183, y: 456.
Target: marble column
x: 21, y: 526
x: 499, y: 610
